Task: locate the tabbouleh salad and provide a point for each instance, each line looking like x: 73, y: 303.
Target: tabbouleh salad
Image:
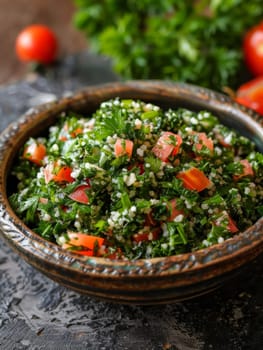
x: 136, y: 181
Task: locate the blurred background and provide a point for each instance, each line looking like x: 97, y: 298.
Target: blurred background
x: 17, y: 14
x: 211, y: 43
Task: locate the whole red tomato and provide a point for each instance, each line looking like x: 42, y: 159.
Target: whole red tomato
x: 36, y: 43
x: 253, y: 49
x: 250, y: 94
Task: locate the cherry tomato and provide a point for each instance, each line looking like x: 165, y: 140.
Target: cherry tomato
x: 36, y: 43
x: 250, y: 94
x: 253, y: 49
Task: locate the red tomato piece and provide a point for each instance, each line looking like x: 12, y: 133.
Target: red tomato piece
x: 89, y: 243
x: 253, y: 49
x: 58, y: 173
x: 35, y: 153
x: 250, y: 94
x: 203, y: 141
x: 43, y: 200
x: 140, y: 166
x: 64, y: 174
x: 80, y: 194
x: 247, y: 170
x: 123, y: 147
x: 147, y: 235
x: 174, y: 211
x: 116, y: 255
x: 149, y: 220
x: 79, y: 239
x: 194, y: 179
x: 167, y: 145
x: 232, y: 225
x: 76, y: 132
x: 36, y: 43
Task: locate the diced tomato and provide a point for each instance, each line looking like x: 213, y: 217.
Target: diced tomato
x: 80, y: 194
x: 58, y: 173
x: 247, y: 170
x: 147, y: 236
x: 140, y: 166
x: 123, y: 147
x: 35, y: 153
x: 173, y: 210
x: 149, y: 220
x: 64, y: 174
x: 203, y: 141
x: 167, y: 145
x: 79, y: 239
x: 76, y: 132
x: 194, y: 179
x: 80, y: 252
x: 90, y: 244
x: 223, y: 141
x: 43, y: 200
x: 231, y: 225
x: 115, y: 255
x: 65, y: 135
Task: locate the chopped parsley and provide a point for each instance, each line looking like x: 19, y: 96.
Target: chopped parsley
x: 138, y: 181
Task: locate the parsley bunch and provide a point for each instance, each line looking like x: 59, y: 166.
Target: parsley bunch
x: 198, y: 42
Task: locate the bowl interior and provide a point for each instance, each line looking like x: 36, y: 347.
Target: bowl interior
x: 166, y: 95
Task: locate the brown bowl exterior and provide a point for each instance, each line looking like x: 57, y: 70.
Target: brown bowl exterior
x: 149, y: 281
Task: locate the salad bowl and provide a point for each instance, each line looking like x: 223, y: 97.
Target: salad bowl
x: 141, y: 281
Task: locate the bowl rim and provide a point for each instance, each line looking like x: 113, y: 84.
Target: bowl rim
x: 24, y: 239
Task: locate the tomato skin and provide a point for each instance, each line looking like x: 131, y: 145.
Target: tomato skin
x: 57, y: 173
x: 36, y: 43
x: 165, y: 148
x: 250, y: 94
x: 203, y: 141
x: 174, y: 211
x: 151, y: 235
x: 194, y: 179
x: 232, y: 225
x: 88, y: 242
x: 253, y: 49
x: 80, y: 195
x: 35, y: 153
x: 247, y: 170
x: 123, y: 147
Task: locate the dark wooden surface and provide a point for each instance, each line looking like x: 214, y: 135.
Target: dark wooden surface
x: 36, y: 313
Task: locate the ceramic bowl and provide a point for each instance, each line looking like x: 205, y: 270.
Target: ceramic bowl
x: 148, y: 281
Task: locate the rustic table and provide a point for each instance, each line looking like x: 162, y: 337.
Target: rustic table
x: 37, y: 313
